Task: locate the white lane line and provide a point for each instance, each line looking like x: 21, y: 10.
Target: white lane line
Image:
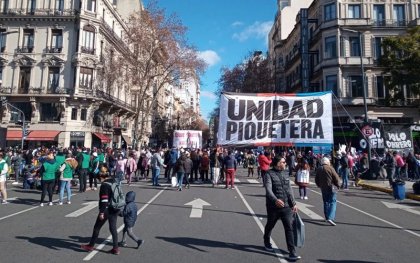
x: 237, y: 180
x: 109, y: 238
x: 253, y: 181
x: 279, y: 255
x: 375, y: 217
x: 26, y: 210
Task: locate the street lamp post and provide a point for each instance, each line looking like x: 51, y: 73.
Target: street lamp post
x: 362, y: 69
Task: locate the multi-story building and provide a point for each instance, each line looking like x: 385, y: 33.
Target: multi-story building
x: 322, y: 52
x: 52, y: 69
x: 188, y: 92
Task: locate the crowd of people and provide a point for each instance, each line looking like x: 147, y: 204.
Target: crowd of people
x: 55, y: 170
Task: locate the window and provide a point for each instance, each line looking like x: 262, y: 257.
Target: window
x: 59, y: 5
x: 91, y: 5
x: 331, y: 83
x: 56, y: 41
x: 379, y: 15
x: 399, y: 15
x: 356, y: 87
x: 88, y: 44
x: 330, y: 12
x: 418, y: 10
x: 31, y: 6
x: 24, y: 80
x: 5, y: 6
x: 380, y: 88
x: 331, y: 47
x: 377, y: 48
x: 3, y: 37
x: 28, y: 41
x: 85, y: 79
x: 354, y: 11
x: 53, y: 79
x: 354, y: 46
x: 342, y: 47
x: 73, y: 114
x: 50, y: 112
x: 83, y: 114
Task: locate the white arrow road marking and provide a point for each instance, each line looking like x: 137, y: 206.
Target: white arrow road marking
x: 197, y: 207
x: 304, y: 209
x: 88, y: 206
x: 402, y: 207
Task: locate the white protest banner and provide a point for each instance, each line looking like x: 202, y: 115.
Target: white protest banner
x: 187, y: 139
x: 303, y: 119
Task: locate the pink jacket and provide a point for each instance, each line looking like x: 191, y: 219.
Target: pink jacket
x: 264, y: 162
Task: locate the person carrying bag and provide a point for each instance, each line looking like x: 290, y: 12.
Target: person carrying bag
x: 298, y: 231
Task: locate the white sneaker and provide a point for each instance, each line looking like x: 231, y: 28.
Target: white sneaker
x: 15, y: 183
x: 60, y: 203
x: 68, y: 202
x: 4, y: 202
x: 50, y: 203
x: 301, y: 197
x: 306, y: 198
x: 41, y: 204
x: 331, y: 222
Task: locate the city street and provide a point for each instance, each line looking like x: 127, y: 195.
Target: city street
x: 205, y: 224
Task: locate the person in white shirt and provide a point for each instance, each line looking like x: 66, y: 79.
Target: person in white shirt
x: 302, y: 178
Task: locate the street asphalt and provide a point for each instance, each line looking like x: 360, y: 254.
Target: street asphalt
x: 371, y: 226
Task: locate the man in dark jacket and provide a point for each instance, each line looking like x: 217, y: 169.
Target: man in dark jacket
x: 130, y: 217
x: 230, y: 164
x: 105, y: 213
x: 280, y: 205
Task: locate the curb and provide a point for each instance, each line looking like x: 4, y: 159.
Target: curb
x: 387, y: 190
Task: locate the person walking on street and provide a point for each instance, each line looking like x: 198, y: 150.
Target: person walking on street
x: 93, y: 171
x: 84, y: 160
x: 302, y: 178
x: 48, y: 173
x: 131, y: 168
x: 188, y: 169
x: 180, y: 171
x: 106, y: 213
x: 280, y: 204
x: 230, y: 164
x: 215, y: 166
x: 264, y: 160
x: 156, y: 163
x: 344, y: 171
x: 327, y: 180
x: 130, y: 217
x: 66, y: 175
x: 4, y: 168
x: 250, y: 160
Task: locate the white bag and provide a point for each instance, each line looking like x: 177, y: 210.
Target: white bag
x: 174, y: 181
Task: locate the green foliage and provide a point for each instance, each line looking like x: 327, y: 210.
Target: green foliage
x: 402, y: 60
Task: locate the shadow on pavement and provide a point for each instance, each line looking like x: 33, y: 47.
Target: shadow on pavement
x: 196, y: 243
x: 58, y: 243
x: 345, y: 261
x: 27, y: 191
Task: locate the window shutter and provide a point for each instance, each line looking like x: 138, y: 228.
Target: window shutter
x: 59, y: 41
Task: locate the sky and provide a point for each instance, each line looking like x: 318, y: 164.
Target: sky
x: 224, y: 32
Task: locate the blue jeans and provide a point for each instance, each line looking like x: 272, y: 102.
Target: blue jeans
x: 65, y: 184
x: 180, y: 178
x: 155, y: 176
x: 344, y: 172
x: 330, y: 203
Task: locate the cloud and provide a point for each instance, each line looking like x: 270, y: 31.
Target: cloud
x: 210, y: 57
x: 257, y: 30
x: 237, y: 24
x: 208, y: 94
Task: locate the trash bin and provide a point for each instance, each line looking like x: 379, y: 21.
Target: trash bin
x: 398, y: 189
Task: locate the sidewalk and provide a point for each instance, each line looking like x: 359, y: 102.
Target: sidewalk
x: 383, y: 186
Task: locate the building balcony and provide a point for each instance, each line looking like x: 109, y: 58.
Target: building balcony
x: 25, y: 49
x: 37, y: 12
x: 355, y: 61
x: 87, y: 50
x: 354, y: 22
x: 54, y: 50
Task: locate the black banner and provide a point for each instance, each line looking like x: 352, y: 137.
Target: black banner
x: 398, y: 137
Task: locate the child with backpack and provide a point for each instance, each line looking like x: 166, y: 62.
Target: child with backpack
x: 130, y: 216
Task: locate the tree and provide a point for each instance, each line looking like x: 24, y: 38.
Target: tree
x: 401, y: 59
x: 160, y: 56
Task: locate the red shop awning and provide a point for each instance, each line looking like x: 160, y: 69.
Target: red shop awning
x: 102, y: 137
x: 42, y: 136
x: 14, y: 135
